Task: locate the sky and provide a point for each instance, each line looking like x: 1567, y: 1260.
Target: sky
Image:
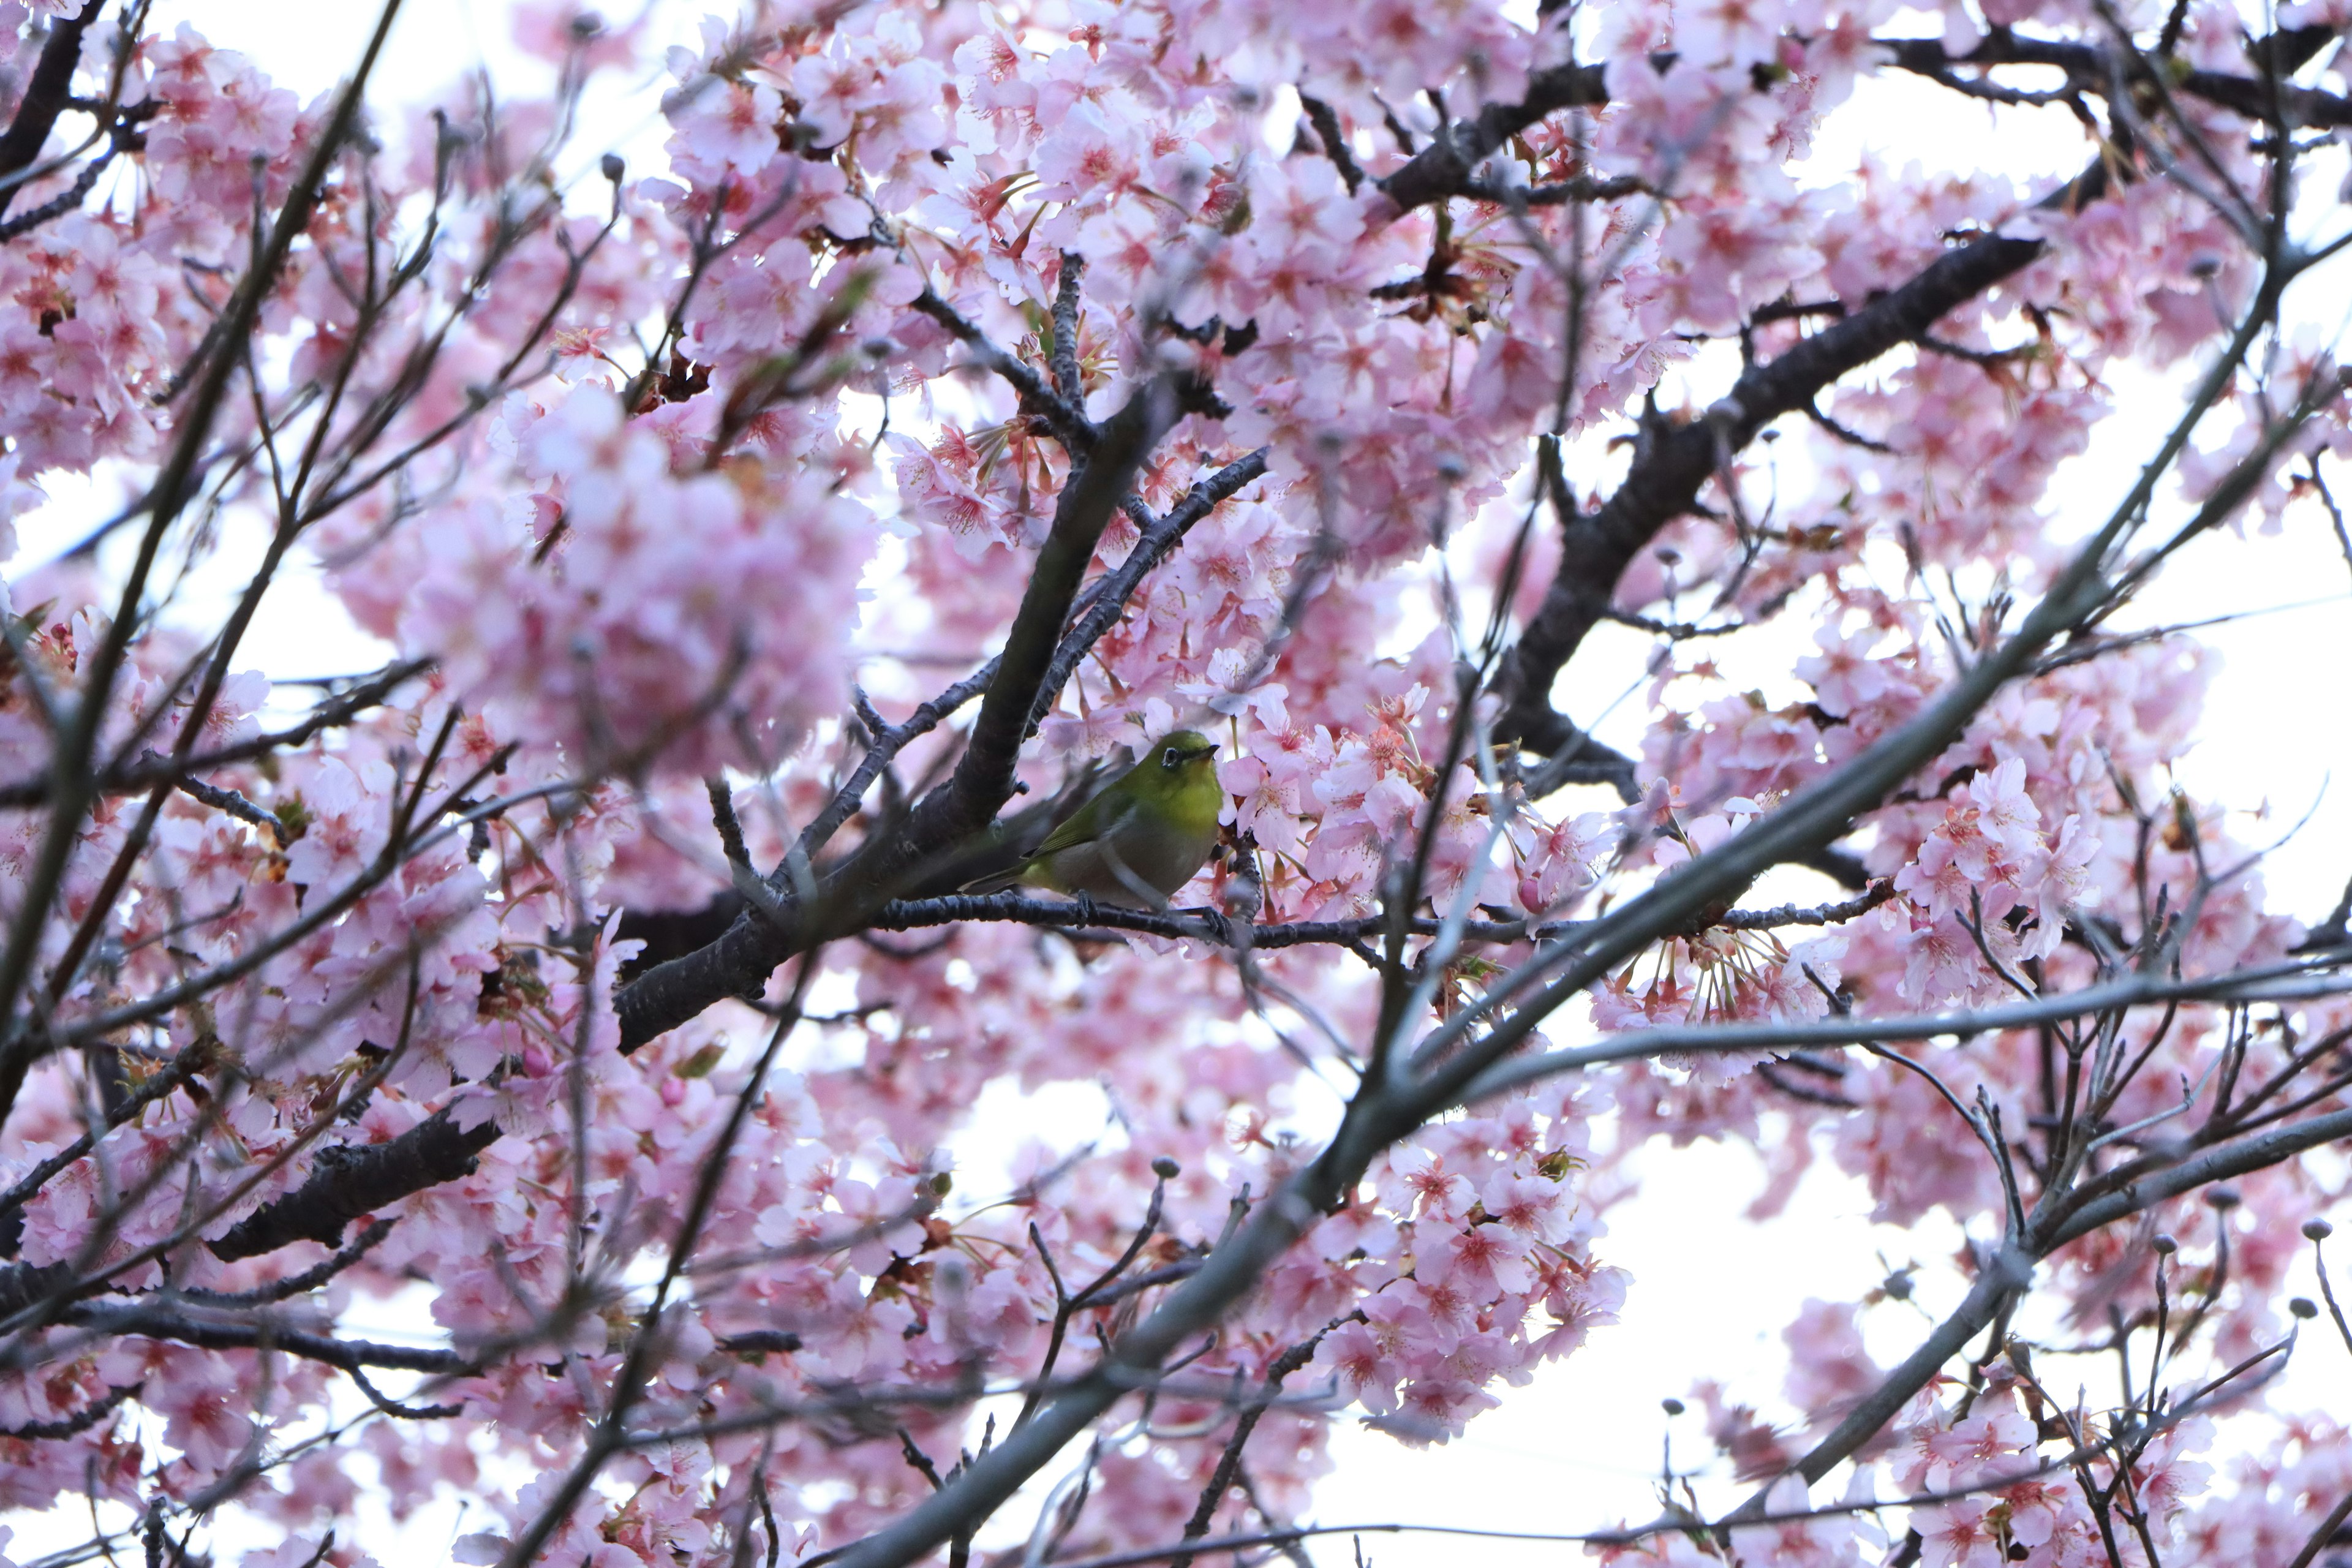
x: 1583, y: 1446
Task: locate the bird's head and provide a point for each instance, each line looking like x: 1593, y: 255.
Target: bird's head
x: 1179, y: 765
x: 1183, y: 750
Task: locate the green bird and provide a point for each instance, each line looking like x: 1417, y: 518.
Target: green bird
x: 1138, y: 840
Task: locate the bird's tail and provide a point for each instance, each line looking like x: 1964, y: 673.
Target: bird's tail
x: 996, y: 882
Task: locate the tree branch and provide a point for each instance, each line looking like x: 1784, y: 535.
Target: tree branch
x: 2236, y: 1158
x: 1201, y: 925
x: 1676, y: 461
x: 1442, y: 169
x: 152, y: 768
x: 1445, y: 167
x: 1156, y: 544
x: 2276, y: 983
x: 1034, y: 395
x: 80, y: 1421
x: 1229, y: 1463
x: 349, y: 1180
x: 349, y: 1356
x: 47, y: 95
x: 2093, y: 69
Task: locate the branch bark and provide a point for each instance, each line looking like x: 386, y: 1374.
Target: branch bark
x: 1444, y: 168
x: 350, y: 1180
x: 45, y: 98
x: 1674, y: 462
x: 350, y: 1355
x: 1441, y: 169
x: 2089, y: 66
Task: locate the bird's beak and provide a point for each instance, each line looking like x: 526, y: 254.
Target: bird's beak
x: 1197, y: 752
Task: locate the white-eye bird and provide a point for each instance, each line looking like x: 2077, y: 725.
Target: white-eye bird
x: 1139, y: 839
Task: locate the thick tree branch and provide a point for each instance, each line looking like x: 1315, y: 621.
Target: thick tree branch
x: 2003, y: 1279
x: 1326, y: 122
x: 349, y: 1180
x: 982, y: 781
x: 2091, y: 69
x: 1443, y: 167
x: 2238, y: 1157
x: 220, y: 1334
x: 47, y: 95
x: 1198, y: 925
x: 1676, y: 461
x: 27, y: 1283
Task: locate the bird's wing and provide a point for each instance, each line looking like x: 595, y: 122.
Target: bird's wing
x: 1099, y: 818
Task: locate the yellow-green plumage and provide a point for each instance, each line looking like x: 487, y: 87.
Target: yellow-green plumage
x: 1138, y: 840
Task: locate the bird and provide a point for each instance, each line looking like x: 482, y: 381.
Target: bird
x: 1137, y: 841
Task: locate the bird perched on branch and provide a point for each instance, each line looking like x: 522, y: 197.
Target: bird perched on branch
x: 1138, y: 840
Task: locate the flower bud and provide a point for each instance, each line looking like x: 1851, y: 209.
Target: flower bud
x: 1166, y: 1169
x: 2301, y: 1308
x: 2223, y: 1198
x: 2317, y: 1230
x: 2165, y: 1246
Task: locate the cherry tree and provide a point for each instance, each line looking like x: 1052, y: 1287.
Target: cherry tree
x: 767, y: 542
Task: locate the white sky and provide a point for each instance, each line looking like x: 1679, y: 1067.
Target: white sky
x: 1580, y: 1447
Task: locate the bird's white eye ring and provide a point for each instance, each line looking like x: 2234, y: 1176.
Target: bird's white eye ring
x: 1171, y: 759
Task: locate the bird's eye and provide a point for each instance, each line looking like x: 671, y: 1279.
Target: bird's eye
x: 1171, y: 758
